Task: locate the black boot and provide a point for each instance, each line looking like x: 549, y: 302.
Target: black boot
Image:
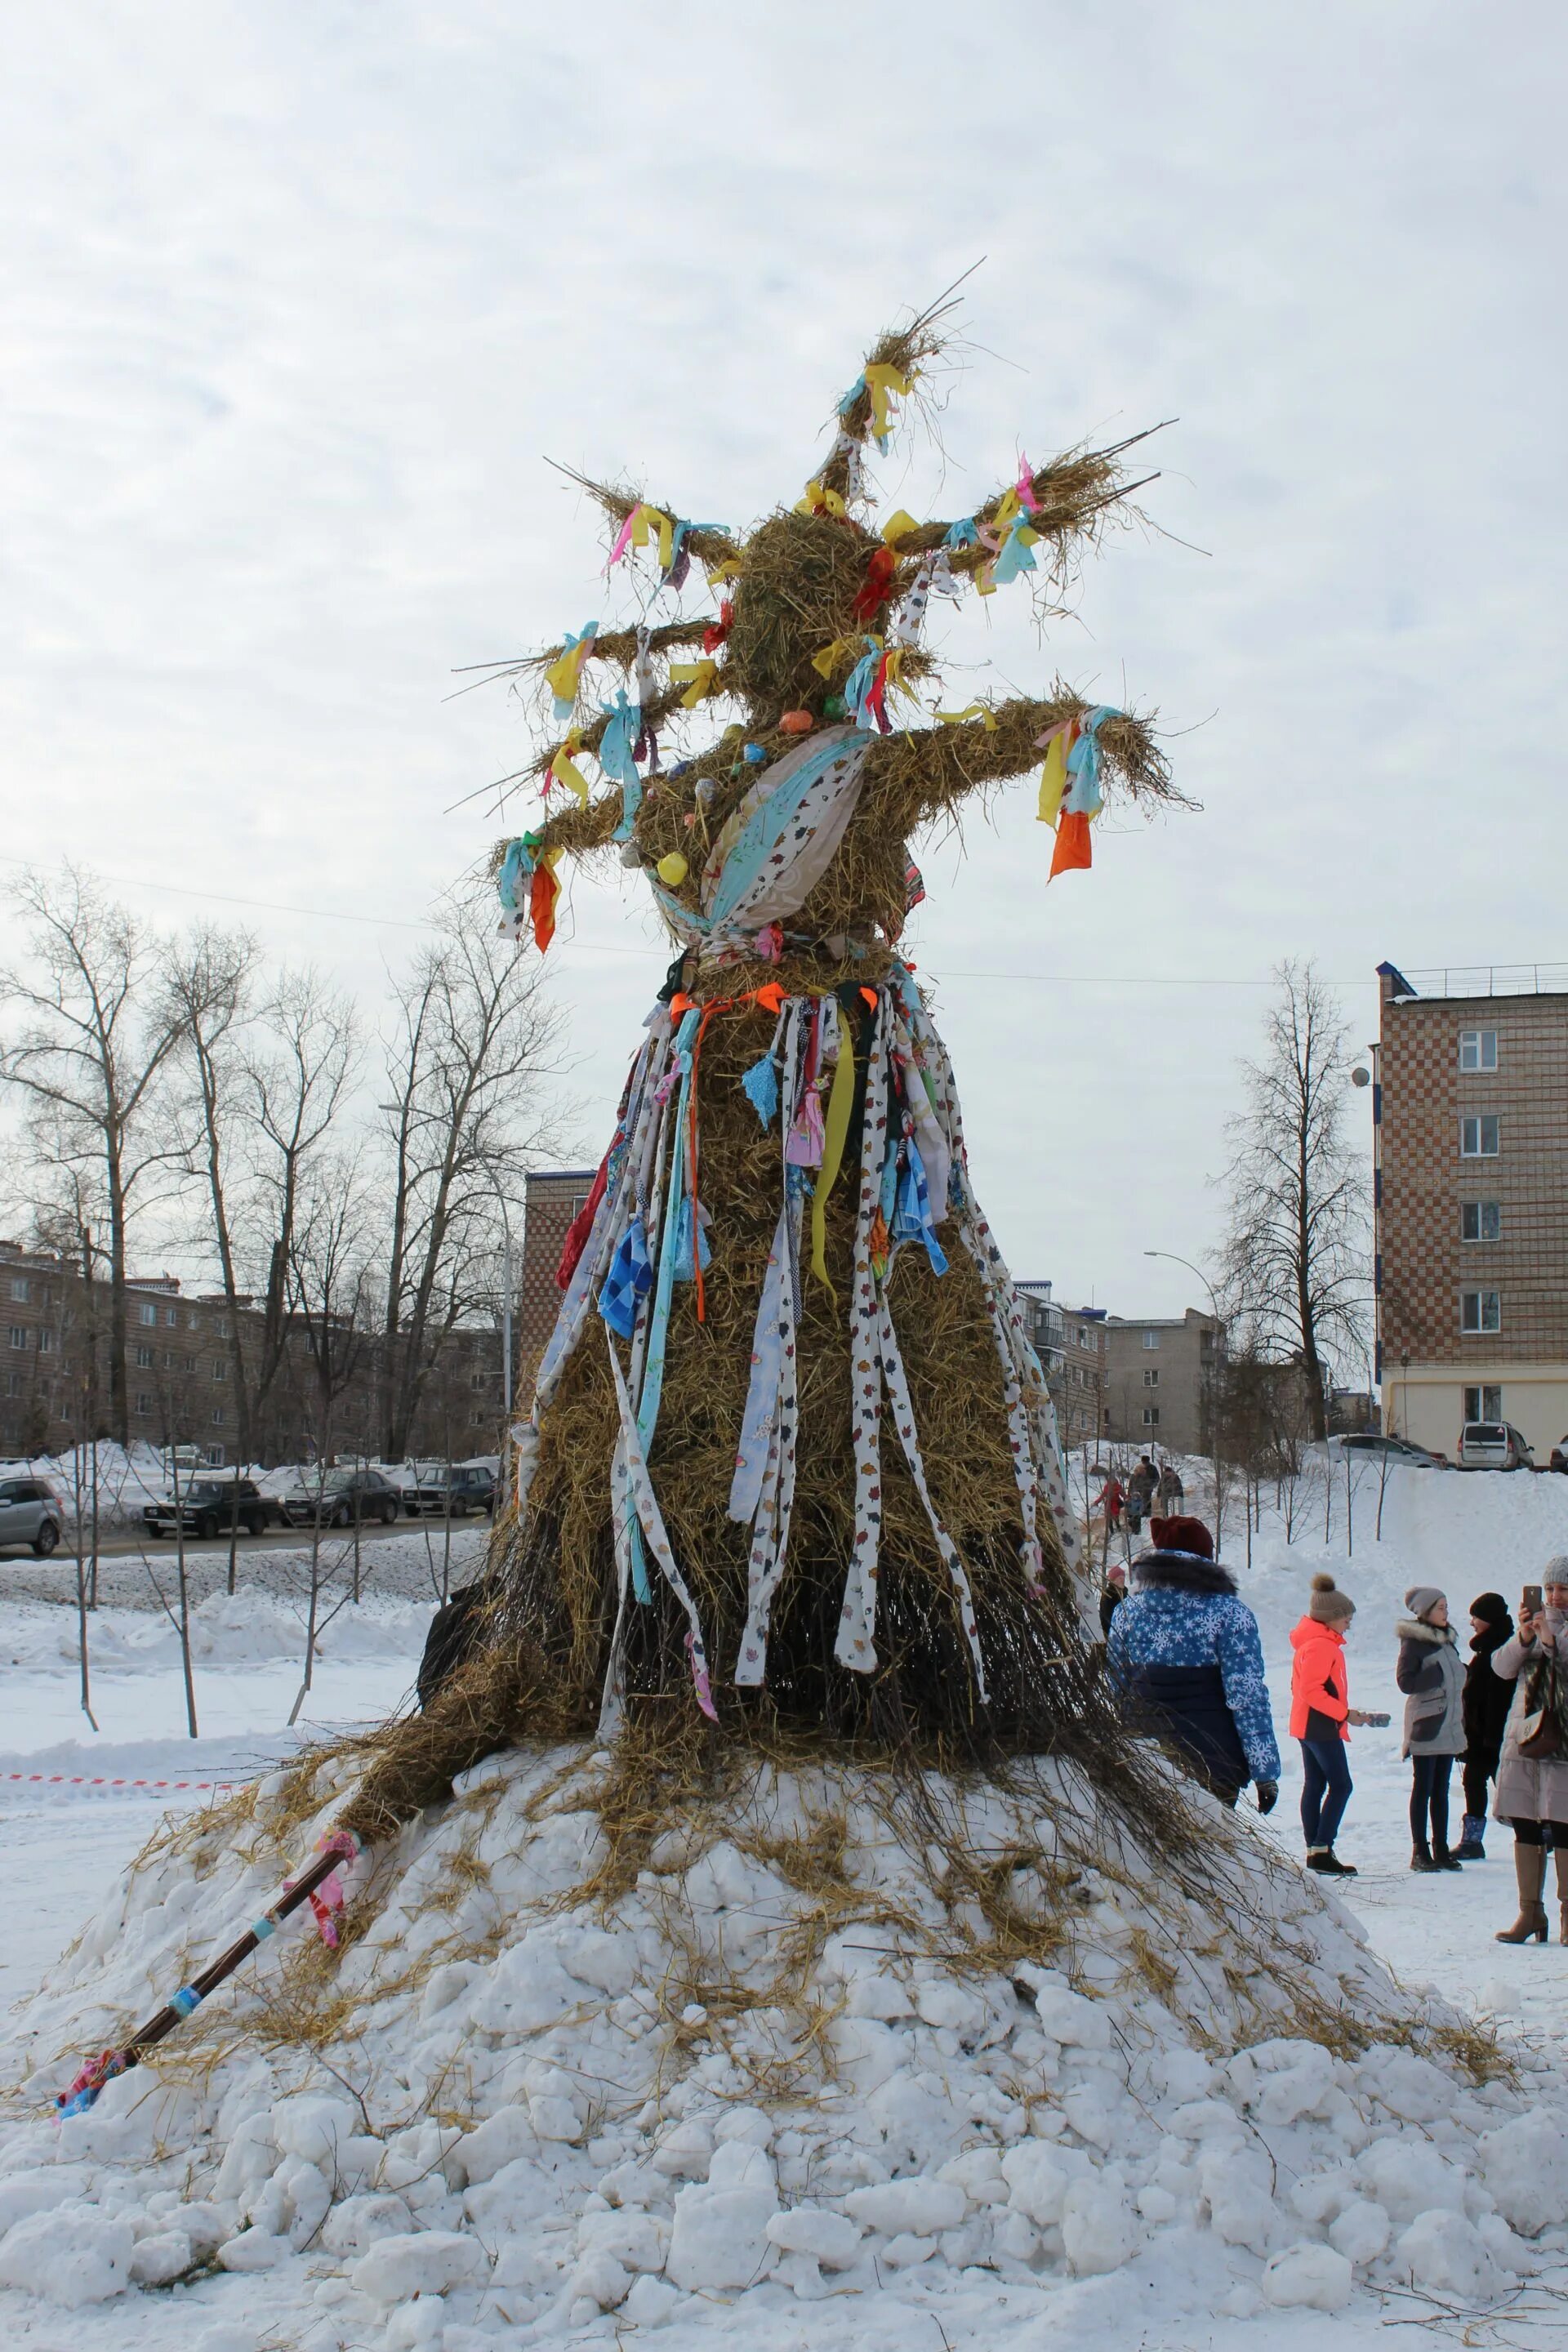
x: 1328, y: 1862
x: 1444, y: 1858
x: 1421, y: 1857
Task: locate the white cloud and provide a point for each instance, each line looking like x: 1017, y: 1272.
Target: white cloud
x: 297, y: 299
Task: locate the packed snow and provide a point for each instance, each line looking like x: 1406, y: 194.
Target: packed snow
x: 851, y: 2065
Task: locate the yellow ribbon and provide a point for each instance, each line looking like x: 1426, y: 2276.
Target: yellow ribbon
x: 565, y: 672
x: 834, y: 1129
x: 817, y: 500
x: 1007, y: 506
x: 565, y: 768
x: 882, y: 382
x: 703, y: 675
x: 646, y: 521
x: 893, y: 675
x: 1054, y: 778
x: 728, y: 570
x: 973, y: 710
x: 828, y: 660
x: 898, y: 526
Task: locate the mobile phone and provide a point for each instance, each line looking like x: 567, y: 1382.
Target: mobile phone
x: 1530, y: 1598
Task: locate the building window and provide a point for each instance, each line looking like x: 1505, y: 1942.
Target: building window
x: 1152, y: 1379
x: 1480, y: 1221
x: 220, y: 1370
x: 146, y: 1313
x: 192, y: 1322
x: 19, y: 1335
x: 168, y: 1359
x: 172, y: 1318
x: 219, y: 1415
x: 145, y: 1356
x: 14, y: 1384
x: 1477, y: 1049
x: 1483, y: 1403
x: 1480, y: 1310
x: 48, y: 1342
x: 189, y: 1363
x: 221, y: 1326
x: 1479, y: 1138
x: 145, y: 1400
x: 1151, y: 1416
x: 19, y: 1287
x: 1151, y: 1339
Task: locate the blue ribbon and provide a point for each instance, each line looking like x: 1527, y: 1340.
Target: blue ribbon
x: 617, y: 756
x: 857, y: 686
x: 1016, y: 555
x: 517, y: 866
x: 965, y: 533
x: 628, y: 1281
x: 1083, y: 764
x: 761, y: 1088
x: 765, y: 828
x: 913, y: 1220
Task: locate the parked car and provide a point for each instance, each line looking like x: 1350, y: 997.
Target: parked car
x: 30, y: 1514
x: 1396, y: 1449
x: 343, y: 1498
x: 1493, y: 1445
x: 444, y: 1490
x: 209, y: 1506
x: 1559, y: 1460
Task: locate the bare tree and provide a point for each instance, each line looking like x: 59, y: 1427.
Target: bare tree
x: 475, y: 1042
x: 1294, y: 1259
x: 95, y: 1032
x: 208, y: 978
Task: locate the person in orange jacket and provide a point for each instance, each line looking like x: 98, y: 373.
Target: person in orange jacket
x: 1321, y: 1714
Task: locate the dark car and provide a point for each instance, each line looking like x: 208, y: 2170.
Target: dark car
x: 344, y: 1499
x: 30, y: 1514
x: 210, y: 1506
x: 1397, y: 1449
x: 449, y: 1492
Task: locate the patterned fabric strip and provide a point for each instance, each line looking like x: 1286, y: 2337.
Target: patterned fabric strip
x: 775, y: 1501
x: 651, y: 1521
x: 613, y: 1703
x: 856, y: 1644
x: 904, y: 1416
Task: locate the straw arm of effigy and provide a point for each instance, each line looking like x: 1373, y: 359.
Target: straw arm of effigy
x: 1071, y: 496
x: 911, y: 776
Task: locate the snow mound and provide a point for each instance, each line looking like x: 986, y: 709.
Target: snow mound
x: 590, y: 2055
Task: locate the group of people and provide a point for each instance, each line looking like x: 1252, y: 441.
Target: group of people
x: 1183, y: 1651
x: 1131, y: 1504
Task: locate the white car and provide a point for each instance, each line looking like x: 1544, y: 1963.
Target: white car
x: 1493, y: 1445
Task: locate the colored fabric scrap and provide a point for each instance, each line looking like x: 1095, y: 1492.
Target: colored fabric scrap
x: 566, y: 672
x: 629, y: 1280
x: 699, y: 677
x: 581, y: 1226
x: 542, y: 892
x: 881, y: 571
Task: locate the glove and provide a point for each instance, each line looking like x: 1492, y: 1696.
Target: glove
x: 1268, y: 1795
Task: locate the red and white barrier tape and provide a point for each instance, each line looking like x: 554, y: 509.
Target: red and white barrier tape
x: 102, y: 1780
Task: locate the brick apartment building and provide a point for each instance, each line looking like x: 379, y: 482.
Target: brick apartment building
x: 551, y: 1198
x: 54, y: 1374
x: 1470, y: 1160
x: 1162, y: 1374
x: 1070, y: 1344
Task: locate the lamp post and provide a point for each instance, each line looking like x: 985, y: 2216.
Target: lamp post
x: 1213, y: 1399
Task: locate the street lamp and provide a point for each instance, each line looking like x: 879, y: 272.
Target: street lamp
x: 1213, y: 1401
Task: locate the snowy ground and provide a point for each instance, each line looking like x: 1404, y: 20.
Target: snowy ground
x: 63, y: 1844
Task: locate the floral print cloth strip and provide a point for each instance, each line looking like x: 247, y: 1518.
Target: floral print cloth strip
x: 762, y: 1492
x: 649, y: 1518
x: 904, y: 1420
x: 856, y: 1643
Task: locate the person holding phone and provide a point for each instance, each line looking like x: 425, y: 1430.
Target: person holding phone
x: 1532, y: 1789
x: 1487, y: 1702
x: 1429, y: 1674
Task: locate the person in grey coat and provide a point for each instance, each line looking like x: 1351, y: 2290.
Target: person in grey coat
x: 1532, y: 1791
x: 1431, y: 1673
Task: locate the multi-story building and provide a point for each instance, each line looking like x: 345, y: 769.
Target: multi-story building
x: 1161, y: 1378
x: 1070, y: 1344
x: 551, y: 1199
x: 1470, y: 1156
x: 54, y: 1386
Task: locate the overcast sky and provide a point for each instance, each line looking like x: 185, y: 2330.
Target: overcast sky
x: 297, y: 300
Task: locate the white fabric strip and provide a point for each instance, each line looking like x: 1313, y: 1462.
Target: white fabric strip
x: 775, y: 1504
x: 646, y: 1503
x: 904, y: 1419
x: 856, y: 1644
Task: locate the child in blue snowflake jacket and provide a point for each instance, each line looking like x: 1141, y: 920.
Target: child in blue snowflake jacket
x: 1185, y: 1656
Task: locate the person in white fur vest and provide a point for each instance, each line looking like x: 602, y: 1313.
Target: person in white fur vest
x: 1431, y: 1673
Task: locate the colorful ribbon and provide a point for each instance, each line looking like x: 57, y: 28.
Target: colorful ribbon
x: 566, y: 672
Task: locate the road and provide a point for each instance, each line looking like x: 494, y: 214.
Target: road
x: 405, y: 1560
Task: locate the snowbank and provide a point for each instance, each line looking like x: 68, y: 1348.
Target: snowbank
x: 825, y: 2035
